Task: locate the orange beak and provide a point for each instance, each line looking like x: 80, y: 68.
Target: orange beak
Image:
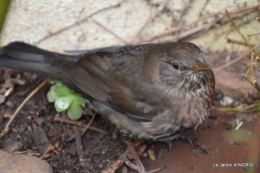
x: 200, y: 68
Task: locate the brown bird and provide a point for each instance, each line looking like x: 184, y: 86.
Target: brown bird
x: 150, y: 91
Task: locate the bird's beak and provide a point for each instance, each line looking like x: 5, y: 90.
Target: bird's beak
x: 200, y: 68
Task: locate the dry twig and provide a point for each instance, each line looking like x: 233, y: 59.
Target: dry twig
x: 230, y: 40
x: 56, y: 118
x: 237, y: 59
x: 6, y: 129
x: 88, y: 125
x: 150, y: 19
x: 238, y: 30
x: 178, y: 28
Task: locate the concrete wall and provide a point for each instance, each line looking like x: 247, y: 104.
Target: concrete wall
x: 107, y: 24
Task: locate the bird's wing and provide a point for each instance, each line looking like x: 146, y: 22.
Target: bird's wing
x: 116, y: 79
x: 86, y: 76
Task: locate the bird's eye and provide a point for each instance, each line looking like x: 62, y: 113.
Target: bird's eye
x: 175, y: 66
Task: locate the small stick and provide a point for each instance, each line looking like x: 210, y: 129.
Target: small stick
x: 190, y: 32
x: 253, y: 83
x: 78, y: 124
x: 79, y: 146
x: 6, y: 129
x: 252, y: 64
x: 235, y: 26
x: 88, y: 125
x: 237, y: 59
x: 150, y: 19
x: 177, y: 28
x: 230, y: 40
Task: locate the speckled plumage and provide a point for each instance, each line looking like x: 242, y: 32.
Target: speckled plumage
x: 149, y: 92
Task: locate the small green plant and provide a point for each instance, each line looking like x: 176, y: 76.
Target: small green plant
x: 66, y: 99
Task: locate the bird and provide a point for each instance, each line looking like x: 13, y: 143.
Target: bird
x: 150, y: 92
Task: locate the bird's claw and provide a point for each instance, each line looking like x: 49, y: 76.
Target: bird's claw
x: 139, y: 167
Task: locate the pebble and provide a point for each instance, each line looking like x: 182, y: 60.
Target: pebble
x: 18, y: 163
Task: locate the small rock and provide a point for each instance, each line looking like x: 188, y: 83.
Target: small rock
x: 12, y: 163
x: 226, y: 101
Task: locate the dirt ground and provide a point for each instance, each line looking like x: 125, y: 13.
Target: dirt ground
x: 211, y: 151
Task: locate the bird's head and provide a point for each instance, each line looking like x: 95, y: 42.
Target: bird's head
x: 178, y: 65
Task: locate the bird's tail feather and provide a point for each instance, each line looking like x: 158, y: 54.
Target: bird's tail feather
x: 24, y: 57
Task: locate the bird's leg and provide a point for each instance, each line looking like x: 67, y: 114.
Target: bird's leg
x: 169, y: 142
x: 186, y: 138
x: 139, y: 165
x: 181, y: 136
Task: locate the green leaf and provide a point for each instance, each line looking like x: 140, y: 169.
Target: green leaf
x: 75, y: 111
x: 62, y: 103
x: 62, y: 90
x: 66, y: 99
x: 79, y: 100
x: 53, y: 81
x: 52, y: 96
x: 238, y: 135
